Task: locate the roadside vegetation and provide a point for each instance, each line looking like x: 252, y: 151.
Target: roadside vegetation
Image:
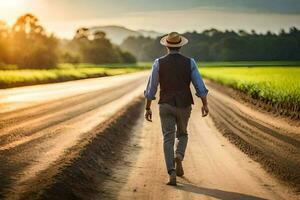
x: 65, y: 72
x: 250, y: 64
x: 276, y: 86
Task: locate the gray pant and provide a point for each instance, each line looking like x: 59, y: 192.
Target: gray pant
x: 174, y: 120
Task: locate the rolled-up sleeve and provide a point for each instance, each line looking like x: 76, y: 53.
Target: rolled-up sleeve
x: 201, y: 90
x: 153, y: 81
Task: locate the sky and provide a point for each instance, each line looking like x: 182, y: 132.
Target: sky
x: 63, y: 17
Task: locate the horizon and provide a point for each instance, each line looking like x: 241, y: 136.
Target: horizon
x: 62, y: 18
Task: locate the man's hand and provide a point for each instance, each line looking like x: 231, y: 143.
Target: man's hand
x: 205, y: 110
x: 148, y: 115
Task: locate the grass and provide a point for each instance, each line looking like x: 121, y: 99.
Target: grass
x: 139, y: 65
x: 278, y: 86
x: 231, y: 64
x: 250, y: 64
x: 64, y: 72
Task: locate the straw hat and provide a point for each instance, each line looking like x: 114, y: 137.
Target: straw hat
x: 173, y: 39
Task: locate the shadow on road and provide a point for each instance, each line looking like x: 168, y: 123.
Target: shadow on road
x: 219, y: 194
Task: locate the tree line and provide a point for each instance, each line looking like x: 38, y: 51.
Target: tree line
x: 27, y: 45
x: 215, y: 45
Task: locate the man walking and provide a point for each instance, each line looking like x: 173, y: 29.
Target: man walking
x: 174, y: 73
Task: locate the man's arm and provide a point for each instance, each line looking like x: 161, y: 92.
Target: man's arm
x: 151, y: 89
x: 201, y: 90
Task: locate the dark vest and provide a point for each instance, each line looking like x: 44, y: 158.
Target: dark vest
x: 174, y: 80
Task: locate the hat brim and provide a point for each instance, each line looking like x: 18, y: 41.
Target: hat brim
x: 164, y: 42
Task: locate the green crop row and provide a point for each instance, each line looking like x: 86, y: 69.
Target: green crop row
x: 275, y: 85
x: 13, y: 78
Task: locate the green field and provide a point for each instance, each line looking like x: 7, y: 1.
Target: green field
x: 250, y: 64
x: 278, y: 86
x: 65, y: 72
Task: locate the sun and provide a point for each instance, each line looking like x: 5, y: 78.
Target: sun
x: 11, y: 3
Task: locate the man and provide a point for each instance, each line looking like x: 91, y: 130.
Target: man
x: 174, y: 73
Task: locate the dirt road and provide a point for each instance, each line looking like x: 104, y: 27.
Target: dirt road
x: 39, y: 123
x: 32, y: 138
x: 214, y: 167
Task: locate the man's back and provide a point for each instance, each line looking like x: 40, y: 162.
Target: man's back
x: 175, y: 79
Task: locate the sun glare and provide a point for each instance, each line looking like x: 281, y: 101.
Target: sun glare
x: 11, y: 3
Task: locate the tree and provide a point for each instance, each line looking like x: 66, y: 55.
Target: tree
x: 31, y: 47
x: 3, y: 42
x: 28, y: 24
x: 128, y: 57
x: 81, y: 33
x: 95, y: 48
x: 99, y: 35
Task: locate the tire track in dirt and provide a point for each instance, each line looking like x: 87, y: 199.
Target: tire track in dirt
x: 214, y: 168
x: 93, y: 162
x: 39, y: 138
x: 257, y: 132
x: 274, y: 148
x: 35, y: 122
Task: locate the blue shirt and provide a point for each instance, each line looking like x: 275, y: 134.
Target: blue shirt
x: 153, y: 81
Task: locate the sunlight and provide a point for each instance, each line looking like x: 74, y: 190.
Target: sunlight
x: 10, y: 10
x: 11, y: 3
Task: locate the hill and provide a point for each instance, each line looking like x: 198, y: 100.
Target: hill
x: 117, y: 34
